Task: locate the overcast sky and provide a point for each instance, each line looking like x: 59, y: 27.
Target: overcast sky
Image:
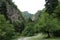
x: 32, y: 6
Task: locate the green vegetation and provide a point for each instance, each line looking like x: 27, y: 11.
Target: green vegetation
x: 47, y: 21
x: 51, y: 5
x: 7, y: 31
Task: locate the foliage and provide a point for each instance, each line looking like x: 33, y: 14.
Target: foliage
x: 29, y: 29
x: 47, y: 24
x: 7, y: 31
x: 57, y: 11
x: 47, y: 21
x: 51, y: 5
x: 19, y: 25
x: 50, y: 26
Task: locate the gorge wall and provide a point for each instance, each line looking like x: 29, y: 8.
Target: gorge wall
x: 10, y: 10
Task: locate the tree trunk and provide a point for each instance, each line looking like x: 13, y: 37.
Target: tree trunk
x: 50, y: 35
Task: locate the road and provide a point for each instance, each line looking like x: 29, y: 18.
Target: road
x: 27, y: 38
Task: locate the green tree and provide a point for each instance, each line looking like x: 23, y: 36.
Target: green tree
x: 51, y: 25
x: 57, y: 12
x: 7, y: 31
x: 47, y: 24
x: 19, y: 26
x: 29, y: 28
x: 51, y: 5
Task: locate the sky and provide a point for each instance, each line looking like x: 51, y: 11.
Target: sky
x: 32, y: 6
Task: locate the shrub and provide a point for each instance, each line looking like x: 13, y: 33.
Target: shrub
x: 7, y: 31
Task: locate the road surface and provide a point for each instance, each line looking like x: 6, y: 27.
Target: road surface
x: 27, y: 38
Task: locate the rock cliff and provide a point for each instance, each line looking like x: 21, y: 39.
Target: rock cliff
x: 10, y: 10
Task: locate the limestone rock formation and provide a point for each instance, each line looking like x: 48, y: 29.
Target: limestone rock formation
x: 10, y: 10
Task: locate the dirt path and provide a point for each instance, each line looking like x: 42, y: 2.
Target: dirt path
x: 27, y: 38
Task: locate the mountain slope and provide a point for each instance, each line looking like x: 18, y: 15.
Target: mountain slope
x: 27, y: 15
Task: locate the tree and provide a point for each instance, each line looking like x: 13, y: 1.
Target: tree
x: 3, y: 9
x: 57, y: 12
x: 51, y: 5
x: 29, y: 29
x: 7, y: 31
x: 47, y: 24
x: 19, y: 26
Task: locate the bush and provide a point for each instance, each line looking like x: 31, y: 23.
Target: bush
x: 7, y: 31
x: 51, y: 26
x: 29, y: 30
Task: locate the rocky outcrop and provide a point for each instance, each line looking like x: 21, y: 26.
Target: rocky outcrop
x: 36, y: 16
x: 10, y: 10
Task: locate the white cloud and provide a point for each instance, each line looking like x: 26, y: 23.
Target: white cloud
x: 31, y: 6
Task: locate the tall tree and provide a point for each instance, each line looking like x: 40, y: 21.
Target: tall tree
x: 51, y: 5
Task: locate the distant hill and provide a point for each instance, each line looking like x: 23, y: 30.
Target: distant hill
x: 27, y: 15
